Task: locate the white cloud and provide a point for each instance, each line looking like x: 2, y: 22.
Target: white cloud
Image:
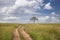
x: 11, y: 9
x: 53, y: 13
x: 30, y: 11
x: 28, y: 7
x: 18, y: 3
x: 41, y: 1
x: 6, y: 10
x: 48, y: 6
x: 3, y: 10
x: 22, y: 3
x: 7, y: 18
x: 44, y: 19
x: 54, y: 18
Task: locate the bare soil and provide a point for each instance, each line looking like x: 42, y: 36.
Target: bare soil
x: 25, y: 34
x: 16, y: 35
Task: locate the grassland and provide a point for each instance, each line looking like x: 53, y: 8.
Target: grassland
x: 36, y: 31
x: 43, y: 31
x: 6, y: 31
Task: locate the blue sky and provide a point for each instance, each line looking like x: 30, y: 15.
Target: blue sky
x: 20, y: 11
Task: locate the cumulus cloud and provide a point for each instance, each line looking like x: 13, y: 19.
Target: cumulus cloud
x: 29, y: 5
x: 40, y: 1
x: 30, y: 11
x: 7, y: 18
x: 33, y: 4
x: 44, y: 19
x: 23, y: 2
x: 55, y: 17
x: 3, y: 10
x: 52, y: 18
x: 48, y: 6
x: 53, y: 13
x: 6, y: 3
x: 20, y: 10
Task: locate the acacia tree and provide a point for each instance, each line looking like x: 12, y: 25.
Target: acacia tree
x: 34, y: 19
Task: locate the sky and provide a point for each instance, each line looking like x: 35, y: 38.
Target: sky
x: 20, y: 11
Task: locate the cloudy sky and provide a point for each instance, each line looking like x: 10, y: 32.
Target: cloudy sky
x: 20, y: 11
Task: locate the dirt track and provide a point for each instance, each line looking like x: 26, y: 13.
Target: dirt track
x: 16, y: 35
x: 25, y: 35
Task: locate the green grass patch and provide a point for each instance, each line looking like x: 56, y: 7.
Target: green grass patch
x: 6, y: 31
x: 36, y: 31
x: 43, y: 31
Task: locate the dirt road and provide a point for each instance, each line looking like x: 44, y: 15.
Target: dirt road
x: 16, y: 35
x: 25, y: 35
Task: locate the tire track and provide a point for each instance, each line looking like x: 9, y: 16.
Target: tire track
x: 16, y: 35
x: 25, y: 35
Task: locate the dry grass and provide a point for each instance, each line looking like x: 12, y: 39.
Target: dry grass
x: 36, y: 31
x: 43, y: 31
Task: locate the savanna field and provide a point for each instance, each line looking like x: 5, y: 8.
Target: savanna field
x: 36, y: 31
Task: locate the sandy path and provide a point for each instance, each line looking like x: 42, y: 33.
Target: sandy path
x: 16, y: 34
x: 25, y: 35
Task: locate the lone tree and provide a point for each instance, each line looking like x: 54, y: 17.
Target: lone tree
x: 34, y: 19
